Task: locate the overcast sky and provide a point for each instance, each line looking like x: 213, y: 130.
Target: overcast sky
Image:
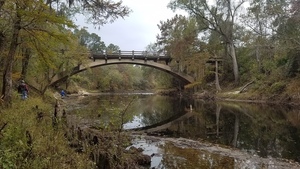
x: 137, y: 30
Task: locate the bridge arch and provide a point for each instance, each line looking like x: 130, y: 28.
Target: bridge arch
x: 97, y: 63
x: 125, y: 57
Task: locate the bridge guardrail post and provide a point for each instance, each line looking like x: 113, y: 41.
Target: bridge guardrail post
x: 132, y: 55
x: 146, y: 56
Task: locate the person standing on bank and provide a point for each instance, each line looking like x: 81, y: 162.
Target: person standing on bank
x: 23, y: 89
x: 62, y: 94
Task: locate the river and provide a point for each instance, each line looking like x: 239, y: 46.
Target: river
x: 188, y: 133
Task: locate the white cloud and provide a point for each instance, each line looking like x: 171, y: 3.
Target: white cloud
x: 139, y: 29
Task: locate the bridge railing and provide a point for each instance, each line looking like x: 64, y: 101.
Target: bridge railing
x: 140, y: 55
x: 133, y: 53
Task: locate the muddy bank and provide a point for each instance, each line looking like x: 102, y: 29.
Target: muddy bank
x: 108, y: 150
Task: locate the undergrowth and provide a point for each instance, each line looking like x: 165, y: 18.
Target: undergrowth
x: 28, y: 138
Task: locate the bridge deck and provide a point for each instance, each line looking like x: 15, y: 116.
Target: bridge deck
x: 141, y: 55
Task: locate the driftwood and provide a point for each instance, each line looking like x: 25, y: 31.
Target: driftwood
x: 244, y: 87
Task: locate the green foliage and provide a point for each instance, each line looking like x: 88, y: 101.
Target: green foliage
x: 293, y: 64
x: 27, y: 142
x: 277, y: 87
x: 179, y: 37
x: 111, y: 48
x: 155, y: 79
x: 123, y: 77
x: 91, y: 41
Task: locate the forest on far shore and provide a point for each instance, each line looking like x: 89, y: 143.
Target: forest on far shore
x: 257, y: 41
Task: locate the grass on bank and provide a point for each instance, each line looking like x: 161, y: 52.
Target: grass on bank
x: 27, y: 141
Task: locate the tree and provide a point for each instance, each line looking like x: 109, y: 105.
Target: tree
x: 97, y: 12
x: 91, y: 41
x: 111, y: 48
x: 179, y: 38
x: 28, y: 19
x: 289, y: 37
x: 264, y: 19
x: 219, y: 17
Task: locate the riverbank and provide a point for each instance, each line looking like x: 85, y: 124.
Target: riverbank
x: 32, y: 137
x: 287, y: 93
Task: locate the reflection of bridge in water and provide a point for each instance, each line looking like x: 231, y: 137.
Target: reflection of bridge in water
x: 187, y: 119
x: 150, y: 59
x: 163, y: 125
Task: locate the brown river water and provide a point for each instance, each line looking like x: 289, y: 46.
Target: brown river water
x: 190, y: 134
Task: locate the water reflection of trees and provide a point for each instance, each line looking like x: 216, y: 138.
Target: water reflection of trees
x: 161, y: 108
x: 261, y: 129
x: 105, y: 111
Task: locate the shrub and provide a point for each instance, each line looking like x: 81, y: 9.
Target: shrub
x: 277, y: 87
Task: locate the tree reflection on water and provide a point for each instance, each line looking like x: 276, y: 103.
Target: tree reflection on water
x: 261, y: 130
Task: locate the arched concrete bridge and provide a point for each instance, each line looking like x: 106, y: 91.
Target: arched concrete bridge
x: 157, y: 61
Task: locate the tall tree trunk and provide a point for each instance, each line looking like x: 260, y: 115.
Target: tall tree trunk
x: 7, y: 74
x: 2, y: 40
x: 217, y: 76
x: 257, y: 54
x: 230, y: 39
x: 25, y: 61
x: 234, y: 61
